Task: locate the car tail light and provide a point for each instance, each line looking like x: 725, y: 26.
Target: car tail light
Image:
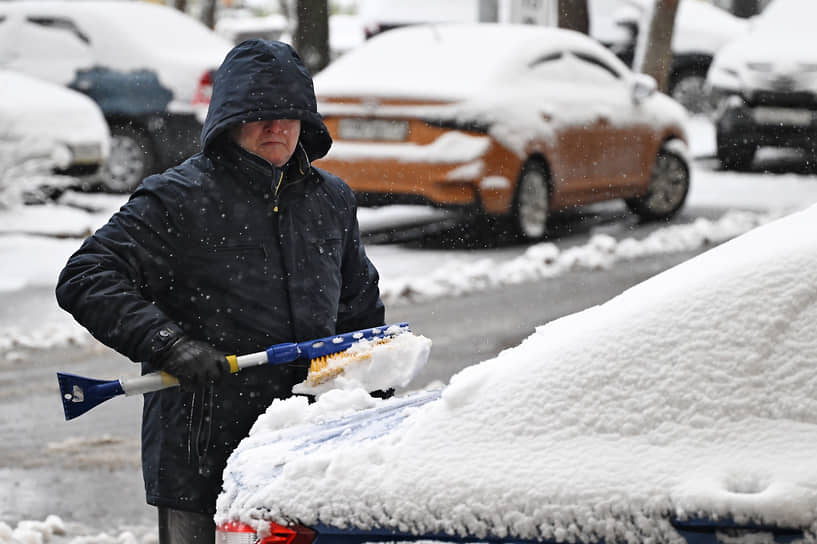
x: 235, y: 532
x: 204, y: 90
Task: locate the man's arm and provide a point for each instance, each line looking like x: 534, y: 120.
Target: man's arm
x: 104, y: 284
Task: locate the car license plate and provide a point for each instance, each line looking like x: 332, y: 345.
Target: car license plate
x: 86, y: 153
x: 783, y: 116
x: 373, y: 129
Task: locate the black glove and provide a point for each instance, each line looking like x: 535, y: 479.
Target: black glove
x: 193, y: 363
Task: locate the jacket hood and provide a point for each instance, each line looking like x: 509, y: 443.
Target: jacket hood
x: 261, y: 80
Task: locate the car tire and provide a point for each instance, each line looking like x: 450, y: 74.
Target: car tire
x: 668, y: 189
x: 531, y: 203
x: 736, y: 156
x: 688, y: 88
x: 130, y: 159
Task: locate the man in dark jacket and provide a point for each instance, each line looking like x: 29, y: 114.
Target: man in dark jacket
x: 242, y: 246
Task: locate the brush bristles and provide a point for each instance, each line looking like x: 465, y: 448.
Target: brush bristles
x: 323, y: 369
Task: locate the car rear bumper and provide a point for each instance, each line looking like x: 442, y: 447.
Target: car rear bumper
x: 464, y: 171
x: 693, y: 531
x: 766, y: 125
x: 174, y: 136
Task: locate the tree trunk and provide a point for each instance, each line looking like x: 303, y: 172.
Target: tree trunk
x: 653, y: 55
x: 746, y: 8
x: 573, y: 15
x: 311, y: 37
x: 208, y: 13
x: 488, y: 11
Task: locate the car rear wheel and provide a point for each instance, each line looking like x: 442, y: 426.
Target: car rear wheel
x: 668, y: 188
x: 531, y: 202
x: 130, y: 160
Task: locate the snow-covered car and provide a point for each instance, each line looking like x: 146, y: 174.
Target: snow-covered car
x: 512, y: 121
x: 40, y: 120
x: 148, y: 67
x: 682, y: 409
x: 701, y: 30
x: 766, y: 85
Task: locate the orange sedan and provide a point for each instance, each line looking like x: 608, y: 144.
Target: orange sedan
x: 513, y: 121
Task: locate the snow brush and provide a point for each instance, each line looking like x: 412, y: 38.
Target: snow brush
x: 80, y: 394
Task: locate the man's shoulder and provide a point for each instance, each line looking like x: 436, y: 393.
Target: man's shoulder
x: 184, y: 180
x: 333, y: 183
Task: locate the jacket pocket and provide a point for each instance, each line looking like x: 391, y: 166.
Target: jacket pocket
x: 327, y: 247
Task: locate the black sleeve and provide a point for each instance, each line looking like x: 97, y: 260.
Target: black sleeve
x: 110, y: 284
x: 360, y: 304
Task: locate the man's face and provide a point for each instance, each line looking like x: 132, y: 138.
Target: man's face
x: 273, y: 140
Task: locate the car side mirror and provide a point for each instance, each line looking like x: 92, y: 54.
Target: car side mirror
x: 643, y: 87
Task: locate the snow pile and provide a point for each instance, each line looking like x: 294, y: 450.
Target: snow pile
x: 32, y: 531
x: 53, y: 530
x: 47, y: 336
x: 691, y: 394
x: 372, y: 365
x: 546, y: 260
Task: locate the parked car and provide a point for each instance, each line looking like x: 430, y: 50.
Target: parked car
x: 43, y: 120
x: 550, y: 119
x: 681, y: 410
x: 701, y: 29
x: 766, y: 85
x: 147, y: 66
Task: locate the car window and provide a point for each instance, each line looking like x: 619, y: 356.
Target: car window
x: 595, y: 63
x: 49, y: 51
x: 548, y: 57
x: 573, y: 67
x: 551, y: 67
x: 59, y: 23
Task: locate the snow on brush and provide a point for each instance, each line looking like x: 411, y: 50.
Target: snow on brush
x: 371, y: 365
x: 690, y: 394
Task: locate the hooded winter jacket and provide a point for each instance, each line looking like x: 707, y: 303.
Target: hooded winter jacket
x: 228, y: 249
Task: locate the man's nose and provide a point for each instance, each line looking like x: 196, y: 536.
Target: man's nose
x: 275, y: 125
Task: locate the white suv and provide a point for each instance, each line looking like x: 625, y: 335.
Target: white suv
x: 147, y: 66
x: 766, y: 84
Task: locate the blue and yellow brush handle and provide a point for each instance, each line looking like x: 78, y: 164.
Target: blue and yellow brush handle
x: 276, y: 355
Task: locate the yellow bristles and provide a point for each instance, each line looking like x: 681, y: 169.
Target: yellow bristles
x: 323, y: 369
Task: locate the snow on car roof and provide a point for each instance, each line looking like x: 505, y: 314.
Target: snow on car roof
x: 454, y: 59
x: 690, y: 394
x: 781, y: 37
x: 149, y: 26
x: 124, y: 36
x: 782, y: 17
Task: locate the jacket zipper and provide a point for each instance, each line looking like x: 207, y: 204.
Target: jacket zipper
x: 276, y: 188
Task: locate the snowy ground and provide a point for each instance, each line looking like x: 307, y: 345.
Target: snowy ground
x: 35, y: 242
